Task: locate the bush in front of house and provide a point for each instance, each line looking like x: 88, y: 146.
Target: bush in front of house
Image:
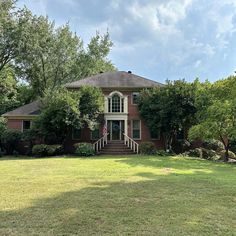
x: 84, y: 149
x: 215, y: 145
x: 163, y: 153
x: 231, y: 154
x: 53, y: 150
x: 10, y: 140
x: 147, y: 148
x: 41, y: 150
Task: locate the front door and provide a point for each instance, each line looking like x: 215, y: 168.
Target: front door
x: 115, y: 129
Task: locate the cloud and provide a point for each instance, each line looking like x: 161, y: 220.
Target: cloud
x: 156, y: 38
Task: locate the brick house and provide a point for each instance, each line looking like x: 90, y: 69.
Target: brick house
x: 121, y: 117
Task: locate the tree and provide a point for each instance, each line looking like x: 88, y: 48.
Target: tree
x: 64, y: 110
x: 45, y: 56
x: 169, y: 109
x: 59, y: 113
x: 216, y: 112
x: 8, y: 90
x: 90, y: 105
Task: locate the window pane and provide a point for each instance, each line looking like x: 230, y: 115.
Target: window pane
x: 76, y: 134
x: 26, y: 124
x: 136, y: 124
x: 136, y: 129
x: 136, y: 134
x: 135, y: 97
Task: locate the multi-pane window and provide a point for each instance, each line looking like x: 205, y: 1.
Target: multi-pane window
x: 26, y: 125
x: 136, y: 128
x: 76, y: 134
x: 115, y: 104
x: 155, y: 134
x: 135, y: 98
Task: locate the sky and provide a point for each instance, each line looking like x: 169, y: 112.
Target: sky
x: 157, y: 39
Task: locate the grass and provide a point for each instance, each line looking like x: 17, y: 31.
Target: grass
x: 117, y: 196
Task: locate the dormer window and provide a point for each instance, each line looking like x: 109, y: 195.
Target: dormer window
x: 116, y: 103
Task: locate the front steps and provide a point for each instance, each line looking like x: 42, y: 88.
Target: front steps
x: 116, y: 148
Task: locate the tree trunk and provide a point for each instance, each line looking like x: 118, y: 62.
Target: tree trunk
x: 226, y: 156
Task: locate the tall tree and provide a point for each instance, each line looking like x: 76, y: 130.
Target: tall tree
x: 169, y: 109
x: 216, y: 113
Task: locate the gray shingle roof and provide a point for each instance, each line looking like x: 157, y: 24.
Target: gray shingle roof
x: 30, y: 109
x: 117, y: 79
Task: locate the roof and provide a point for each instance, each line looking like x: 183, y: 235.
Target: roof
x: 117, y: 79
x: 30, y: 109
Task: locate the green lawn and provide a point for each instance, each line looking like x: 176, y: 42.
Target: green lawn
x: 117, y: 196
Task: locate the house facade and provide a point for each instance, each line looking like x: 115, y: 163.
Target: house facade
x: 120, y: 118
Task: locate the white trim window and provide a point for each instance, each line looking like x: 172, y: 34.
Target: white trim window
x: 136, y: 129
x: 116, y: 103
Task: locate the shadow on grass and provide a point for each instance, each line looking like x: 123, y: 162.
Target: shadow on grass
x: 161, y: 205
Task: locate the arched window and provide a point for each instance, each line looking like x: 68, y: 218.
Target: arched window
x: 116, y: 103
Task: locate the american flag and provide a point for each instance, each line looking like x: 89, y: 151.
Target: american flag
x: 104, y: 131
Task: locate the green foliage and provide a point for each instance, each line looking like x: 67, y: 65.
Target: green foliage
x: 147, y: 148
x: 215, y: 145
x: 84, y: 149
x: 169, y: 108
x: 163, y: 153
x: 3, y: 125
x: 230, y: 153
x: 43, y: 56
x: 43, y: 150
x: 1, y: 152
x: 39, y: 150
x: 10, y: 140
x: 90, y: 105
x: 59, y: 113
x: 64, y: 110
x: 53, y: 150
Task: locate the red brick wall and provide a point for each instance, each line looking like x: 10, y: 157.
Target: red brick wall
x: 14, y: 124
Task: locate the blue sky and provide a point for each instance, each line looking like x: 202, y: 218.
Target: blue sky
x: 157, y: 39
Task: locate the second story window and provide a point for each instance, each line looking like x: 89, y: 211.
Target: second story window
x: 135, y: 98
x: 116, y: 104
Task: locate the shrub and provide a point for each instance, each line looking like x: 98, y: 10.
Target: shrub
x: 231, y: 155
x: 53, y: 150
x: 232, y: 146
x: 162, y: 153
x: 197, y: 152
x: 1, y: 153
x: 147, y: 148
x: 84, y: 149
x: 213, y: 145
x: 39, y: 150
x: 10, y: 140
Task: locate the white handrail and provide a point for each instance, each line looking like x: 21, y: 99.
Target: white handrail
x: 98, y: 145
x: 131, y: 143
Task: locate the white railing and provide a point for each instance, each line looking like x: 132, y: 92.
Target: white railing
x: 98, y: 145
x: 129, y: 142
